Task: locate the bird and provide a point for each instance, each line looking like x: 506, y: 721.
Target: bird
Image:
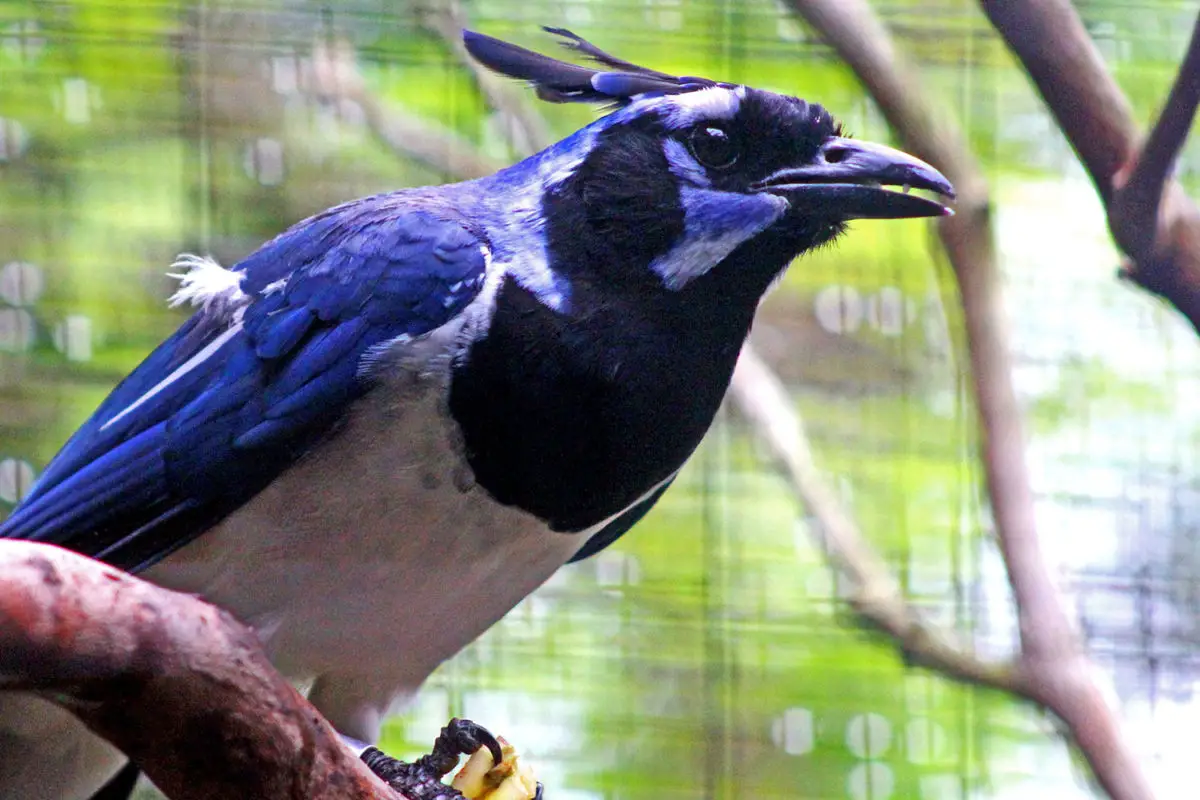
x: 385, y: 427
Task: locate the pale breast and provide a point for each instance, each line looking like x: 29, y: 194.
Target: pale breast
x: 376, y: 554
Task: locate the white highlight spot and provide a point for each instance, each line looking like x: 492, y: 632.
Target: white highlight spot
x: 927, y: 742
x: 16, y: 479
x: 73, y: 337
x: 886, y: 311
x: 13, y: 139
x: 666, y: 15
x: 264, y: 161
x: 206, y: 284
x: 871, y: 781
x: 869, y: 735
x: 285, y: 78
x: 793, y: 731
x: 77, y: 101
x: 17, y: 330
x: 21, y: 283
x: 839, y: 309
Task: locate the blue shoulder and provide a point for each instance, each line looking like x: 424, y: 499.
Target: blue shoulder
x: 254, y: 378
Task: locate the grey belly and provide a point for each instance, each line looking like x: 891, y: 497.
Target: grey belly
x: 375, y: 555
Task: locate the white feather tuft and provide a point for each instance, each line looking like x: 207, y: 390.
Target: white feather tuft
x: 207, y: 285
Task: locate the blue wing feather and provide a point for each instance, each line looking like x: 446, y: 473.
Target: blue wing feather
x: 222, y: 406
x: 621, y: 525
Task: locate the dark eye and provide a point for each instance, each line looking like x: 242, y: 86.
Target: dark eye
x: 713, y: 147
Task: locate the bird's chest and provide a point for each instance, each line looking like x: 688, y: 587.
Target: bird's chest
x: 574, y: 417
x: 378, y: 551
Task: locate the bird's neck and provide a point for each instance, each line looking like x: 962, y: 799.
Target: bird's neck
x: 574, y: 416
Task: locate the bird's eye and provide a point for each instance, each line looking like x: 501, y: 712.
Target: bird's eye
x: 713, y: 147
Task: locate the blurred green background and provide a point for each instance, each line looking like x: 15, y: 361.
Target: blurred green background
x: 706, y: 655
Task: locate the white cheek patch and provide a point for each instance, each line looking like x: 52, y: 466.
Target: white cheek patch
x: 683, y: 165
x: 520, y: 246
x: 715, y: 223
x: 523, y: 253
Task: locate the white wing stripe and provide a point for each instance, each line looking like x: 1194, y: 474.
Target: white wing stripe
x: 183, y: 369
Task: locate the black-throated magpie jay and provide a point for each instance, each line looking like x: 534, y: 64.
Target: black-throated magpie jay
x: 385, y: 427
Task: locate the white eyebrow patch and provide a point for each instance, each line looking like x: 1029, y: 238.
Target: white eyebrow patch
x: 679, y: 111
x: 702, y: 105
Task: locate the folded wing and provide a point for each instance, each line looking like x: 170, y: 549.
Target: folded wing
x: 248, y: 385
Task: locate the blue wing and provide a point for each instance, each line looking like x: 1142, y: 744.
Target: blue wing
x: 621, y: 525
x: 235, y: 396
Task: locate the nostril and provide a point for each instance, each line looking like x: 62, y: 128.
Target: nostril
x: 835, y: 155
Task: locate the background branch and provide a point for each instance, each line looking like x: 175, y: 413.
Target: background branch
x: 524, y: 127
x: 1152, y: 220
x: 1055, y: 671
x: 336, y: 79
x: 763, y: 400
x: 175, y: 683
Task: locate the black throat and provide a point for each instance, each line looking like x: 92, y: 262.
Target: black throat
x: 575, y: 417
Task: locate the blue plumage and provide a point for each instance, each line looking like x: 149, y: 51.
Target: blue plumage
x: 237, y: 394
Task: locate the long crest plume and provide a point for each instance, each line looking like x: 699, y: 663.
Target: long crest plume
x: 563, y: 82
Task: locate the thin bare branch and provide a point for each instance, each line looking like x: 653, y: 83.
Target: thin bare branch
x: 1136, y: 201
x: 763, y: 400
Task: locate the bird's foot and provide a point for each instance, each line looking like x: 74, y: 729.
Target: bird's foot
x: 491, y: 773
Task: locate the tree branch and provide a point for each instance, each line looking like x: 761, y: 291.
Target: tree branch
x: 175, y: 683
x: 763, y: 400
x: 1153, y: 221
x: 1136, y: 200
x: 1053, y: 668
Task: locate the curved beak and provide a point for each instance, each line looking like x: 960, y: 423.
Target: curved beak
x: 846, y: 181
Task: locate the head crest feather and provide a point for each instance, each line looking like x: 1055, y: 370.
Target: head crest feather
x: 563, y: 82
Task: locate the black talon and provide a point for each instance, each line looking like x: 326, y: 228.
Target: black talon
x: 466, y: 737
x: 422, y: 779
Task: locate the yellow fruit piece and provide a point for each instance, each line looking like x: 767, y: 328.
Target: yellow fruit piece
x: 509, y: 780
